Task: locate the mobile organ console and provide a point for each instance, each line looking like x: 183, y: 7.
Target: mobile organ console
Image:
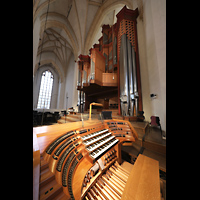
x: 86, y: 162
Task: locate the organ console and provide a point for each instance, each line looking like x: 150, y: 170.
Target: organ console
x: 86, y: 161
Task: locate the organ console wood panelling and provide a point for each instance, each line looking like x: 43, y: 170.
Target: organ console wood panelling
x: 85, y: 162
x: 105, y: 61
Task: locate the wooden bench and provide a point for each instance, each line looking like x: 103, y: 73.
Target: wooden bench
x: 143, y: 182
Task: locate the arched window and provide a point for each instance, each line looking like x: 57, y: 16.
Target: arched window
x: 45, y: 90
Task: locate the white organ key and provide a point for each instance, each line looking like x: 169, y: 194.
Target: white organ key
x: 86, y: 137
x: 97, y: 145
x: 99, y: 142
x: 95, y: 155
x: 97, y: 139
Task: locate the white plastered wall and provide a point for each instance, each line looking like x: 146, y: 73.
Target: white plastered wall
x: 152, y: 52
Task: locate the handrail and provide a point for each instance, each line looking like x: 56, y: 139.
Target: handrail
x: 96, y: 104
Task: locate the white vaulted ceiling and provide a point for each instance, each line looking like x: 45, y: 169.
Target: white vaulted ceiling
x: 72, y: 26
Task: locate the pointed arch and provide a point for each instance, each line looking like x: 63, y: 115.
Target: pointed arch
x: 101, y: 13
x: 43, y: 62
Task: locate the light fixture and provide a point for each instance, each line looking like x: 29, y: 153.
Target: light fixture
x: 153, y: 96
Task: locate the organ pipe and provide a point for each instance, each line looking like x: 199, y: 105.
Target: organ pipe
x: 135, y: 96
x: 130, y: 74
x: 123, y: 77
x: 128, y: 78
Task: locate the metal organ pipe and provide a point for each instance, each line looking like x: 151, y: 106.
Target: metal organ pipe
x: 115, y: 51
x: 135, y: 81
x: 128, y: 78
x: 121, y: 74
x: 123, y: 77
x: 78, y: 103
x: 126, y: 75
x: 130, y: 74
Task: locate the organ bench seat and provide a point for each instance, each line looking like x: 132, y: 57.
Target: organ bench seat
x: 85, y: 162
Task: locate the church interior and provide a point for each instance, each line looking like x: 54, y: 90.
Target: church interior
x: 99, y: 99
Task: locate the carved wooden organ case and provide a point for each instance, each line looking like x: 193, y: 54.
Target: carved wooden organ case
x: 114, y: 62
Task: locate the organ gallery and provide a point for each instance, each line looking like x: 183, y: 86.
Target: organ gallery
x: 88, y: 116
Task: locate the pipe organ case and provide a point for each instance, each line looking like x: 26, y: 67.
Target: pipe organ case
x: 116, y: 53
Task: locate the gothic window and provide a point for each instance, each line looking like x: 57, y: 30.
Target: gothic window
x: 45, y: 90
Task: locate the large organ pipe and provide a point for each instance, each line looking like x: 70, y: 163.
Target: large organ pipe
x: 83, y: 101
x: 128, y: 78
x: 79, y: 102
x: 135, y: 81
x: 130, y: 74
x: 115, y: 51
x: 124, y: 94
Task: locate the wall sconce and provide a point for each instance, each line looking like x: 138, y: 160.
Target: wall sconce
x: 153, y: 96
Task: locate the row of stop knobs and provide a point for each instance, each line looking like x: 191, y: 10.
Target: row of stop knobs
x: 87, y: 178
x: 109, y: 156
x: 106, y: 159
